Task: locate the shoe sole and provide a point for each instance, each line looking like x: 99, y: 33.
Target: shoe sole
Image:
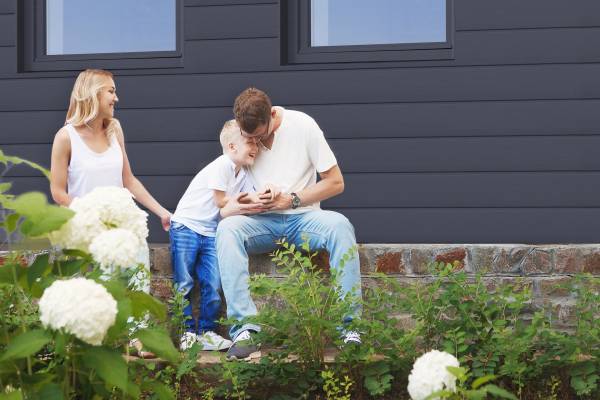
x: 255, y: 354
x: 220, y: 347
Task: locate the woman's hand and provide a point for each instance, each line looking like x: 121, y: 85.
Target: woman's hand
x: 165, y: 220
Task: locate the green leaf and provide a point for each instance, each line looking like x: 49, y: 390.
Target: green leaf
x: 71, y: 267
x: 499, y: 392
x: 458, y: 372
x: 160, y: 389
x: 26, y: 344
x: 9, y: 271
x: 142, y: 302
x: 11, y: 222
x: 158, y: 342
x: 5, y: 187
x: 111, y: 367
x: 16, y: 395
x: 50, y: 391
x: 39, y: 268
x: 120, y: 325
x: 484, y: 379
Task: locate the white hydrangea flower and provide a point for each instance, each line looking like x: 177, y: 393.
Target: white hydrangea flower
x: 115, y: 248
x: 102, y: 209
x: 80, y: 307
x: 429, y: 374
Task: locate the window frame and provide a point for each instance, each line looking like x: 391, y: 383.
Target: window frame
x: 34, y: 57
x: 297, y: 33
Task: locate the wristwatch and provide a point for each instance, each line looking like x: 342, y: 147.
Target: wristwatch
x: 295, y: 200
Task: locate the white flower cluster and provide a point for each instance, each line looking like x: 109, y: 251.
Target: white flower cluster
x: 96, y: 214
x: 80, y: 307
x: 115, y: 247
x: 429, y: 374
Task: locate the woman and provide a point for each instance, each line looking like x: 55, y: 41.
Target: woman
x: 89, y: 151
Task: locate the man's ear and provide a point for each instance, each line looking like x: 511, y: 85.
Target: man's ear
x: 231, y: 146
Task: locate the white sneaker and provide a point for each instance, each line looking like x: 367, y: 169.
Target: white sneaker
x: 352, y: 337
x: 211, y: 341
x: 187, y: 340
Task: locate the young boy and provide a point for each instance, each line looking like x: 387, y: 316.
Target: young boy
x: 193, y: 227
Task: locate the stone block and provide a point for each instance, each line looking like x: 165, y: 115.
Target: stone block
x: 387, y: 259
x: 538, y: 260
x: 591, y: 261
x: 161, y: 288
x: 508, y: 259
x: 569, y: 259
x: 160, y: 260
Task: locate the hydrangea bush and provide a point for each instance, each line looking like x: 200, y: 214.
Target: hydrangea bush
x: 76, y: 348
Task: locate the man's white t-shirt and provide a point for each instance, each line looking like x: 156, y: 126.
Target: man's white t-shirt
x: 298, y: 152
x: 197, y: 209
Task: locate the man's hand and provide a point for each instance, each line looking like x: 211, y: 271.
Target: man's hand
x: 238, y: 206
x: 282, y: 202
x: 269, y: 193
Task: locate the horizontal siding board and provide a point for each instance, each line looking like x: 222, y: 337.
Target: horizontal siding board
x: 527, y: 46
x: 8, y: 30
x: 243, y: 21
x: 475, y: 225
x: 457, y: 190
x: 8, y: 6
x: 495, y: 154
x: 443, y: 225
x: 8, y: 60
x: 581, y: 81
x: 231, y: 55
x: 507, y: 14
x: 557, y: 117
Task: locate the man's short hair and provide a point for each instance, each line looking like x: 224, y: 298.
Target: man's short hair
x: 251, y: 109
x: 229, y: 133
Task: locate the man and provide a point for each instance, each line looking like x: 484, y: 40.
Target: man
x: 292, y: 151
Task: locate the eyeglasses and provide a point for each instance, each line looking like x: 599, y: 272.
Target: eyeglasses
x: 257, y: 135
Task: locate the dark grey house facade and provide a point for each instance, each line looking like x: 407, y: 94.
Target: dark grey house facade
x: 489, y: 137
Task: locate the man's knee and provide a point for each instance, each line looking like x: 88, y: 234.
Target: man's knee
x: 230, y: 225
x: 338, y: 222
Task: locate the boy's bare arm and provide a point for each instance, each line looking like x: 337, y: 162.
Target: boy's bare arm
x: 237, y: 205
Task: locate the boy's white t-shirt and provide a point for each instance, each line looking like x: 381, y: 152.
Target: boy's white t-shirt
x: 197, y: 209
x: 298, y: 152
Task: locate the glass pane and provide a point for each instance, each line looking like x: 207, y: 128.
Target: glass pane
x: 109, y: 26
x: 363, y: 22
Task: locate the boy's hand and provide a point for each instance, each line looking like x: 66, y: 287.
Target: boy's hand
x: 238, y: 206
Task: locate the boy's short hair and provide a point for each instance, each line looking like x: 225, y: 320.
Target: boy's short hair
x: 229, y: 133
x: 251, y: 109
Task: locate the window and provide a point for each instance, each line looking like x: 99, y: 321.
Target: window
x: 114, y: 34
x: 325, y: 31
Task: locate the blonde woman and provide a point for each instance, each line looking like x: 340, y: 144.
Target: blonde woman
x: 89, y: 151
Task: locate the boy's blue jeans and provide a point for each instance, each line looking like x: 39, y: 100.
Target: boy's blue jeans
x: 192, y: 255
x: 240, y: 235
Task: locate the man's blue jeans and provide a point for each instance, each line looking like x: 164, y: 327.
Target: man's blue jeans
x: 240, y: 235
x: 192, y: 255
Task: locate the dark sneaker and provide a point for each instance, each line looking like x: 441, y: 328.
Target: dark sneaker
x: 352, y: 337
x: 243, y: 346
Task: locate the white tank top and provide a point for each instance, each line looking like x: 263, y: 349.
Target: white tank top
x: 88, y: 169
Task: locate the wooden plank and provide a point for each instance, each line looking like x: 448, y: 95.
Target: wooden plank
x: 540, y: 82
x: 231, y: 55
x: 528, y: 46
x: 243, y: 21
x: 8, y: 60
x: 8, y: 30
x: 442, y: 225
x: 466, y: 119
x: 8, y: 6
x: 374, y: 156
x: 422, y: 190
x: 483, y: 225
x: 507, y: 14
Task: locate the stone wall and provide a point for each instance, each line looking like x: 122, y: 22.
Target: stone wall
x: 540, y: 267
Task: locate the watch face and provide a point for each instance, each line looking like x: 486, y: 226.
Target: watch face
x: 295, y: 201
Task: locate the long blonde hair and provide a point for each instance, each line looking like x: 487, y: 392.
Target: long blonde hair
x: 84, y: 103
